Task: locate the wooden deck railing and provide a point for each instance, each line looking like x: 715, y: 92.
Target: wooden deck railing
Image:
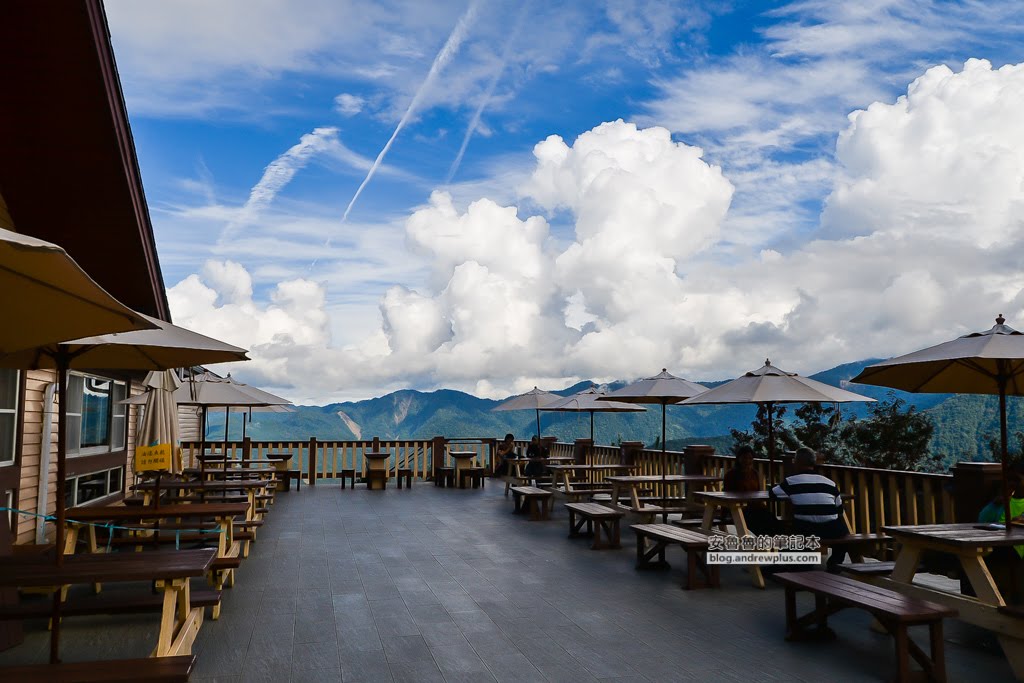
x: 317, y: 459
x: 880, y: 497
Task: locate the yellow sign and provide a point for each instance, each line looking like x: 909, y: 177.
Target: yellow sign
x: 148, y: 458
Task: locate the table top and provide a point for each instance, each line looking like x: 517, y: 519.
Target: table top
x: 194, y: 485
x: 287, y: 455
x: 669, y: 478
x: 225, y: 471
x: 462, y: 454
x: 377, y: 455
x: 732, y: 496
x: 34, y: 570
x: 113, y: 513
x: 963, y: 535
x: 594, y: 468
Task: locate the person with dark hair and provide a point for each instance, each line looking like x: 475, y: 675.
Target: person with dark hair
x: 817, y: 504
x: 506, y: 449
x: 536, y: 451
x: 743, y: 477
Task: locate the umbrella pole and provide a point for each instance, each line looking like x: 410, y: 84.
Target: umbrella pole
x: 227, y: 424
x: 771, y: 440
x: 538, y: 424
x: 664, y: 461
x: 591, y: 425
x: 1004, y: 455
x: 202, y: 444
x: 62, y: 418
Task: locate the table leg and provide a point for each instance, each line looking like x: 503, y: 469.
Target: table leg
x: 709, y: 516
x: 907, y: 560
x: 743, y: 530
x: 634, y: 496
x: 179, y: 621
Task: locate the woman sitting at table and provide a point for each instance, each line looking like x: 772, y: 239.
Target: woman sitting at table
x: 1007, y: 564
x: 743, y: 477
x: 506, y: 449
x: 536, y: 450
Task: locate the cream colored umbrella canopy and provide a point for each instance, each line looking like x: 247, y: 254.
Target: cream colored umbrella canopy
x: 160, y: 415
x: 769, y: 385
x: 591, y: 401
x: 534, y: 399
x: 48, y: 298
x: 989, y: 362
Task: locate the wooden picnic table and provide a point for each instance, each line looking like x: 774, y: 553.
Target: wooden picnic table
x: 633, y: 483
x: 249, y: 487
x: 969, y: 544
x: 463, y: 460
x: 735, y: 502
x: 591, y: 472
x: 179, y: 621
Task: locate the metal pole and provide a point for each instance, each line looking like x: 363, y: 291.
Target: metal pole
x: 664, y: 460
x: 771, y: 440
x: 62, y: 420
x: 538, y: 424
x: 1003, y: 449
x: 591, y: 425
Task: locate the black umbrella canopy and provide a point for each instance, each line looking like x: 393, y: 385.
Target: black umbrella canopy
x: 989, y: 362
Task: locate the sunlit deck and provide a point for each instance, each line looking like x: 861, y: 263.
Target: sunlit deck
x: 434, y: 584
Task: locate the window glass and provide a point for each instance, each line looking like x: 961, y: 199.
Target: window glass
x: 9, y: 383
x: 118, y: 421
x: 74, y: 410
x: 115, y: 480
x: 91, y: 487
x: 96, y: 405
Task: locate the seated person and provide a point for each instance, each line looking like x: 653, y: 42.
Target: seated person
x: 817, y: 504
x: 506, y: 449
x: 1006, y: 565
x: 743, y: 477
x: 536, y: 449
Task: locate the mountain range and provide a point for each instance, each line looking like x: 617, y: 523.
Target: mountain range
x: 964, y: 424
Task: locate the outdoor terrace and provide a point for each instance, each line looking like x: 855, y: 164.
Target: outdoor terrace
x: 433, y: 584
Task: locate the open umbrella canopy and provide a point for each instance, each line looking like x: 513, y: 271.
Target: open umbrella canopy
x: 769, y: 385
x: 662, y: 388
x: 162, y: 347
x: 207, y: 389
x: 989, y: 362
x: 50, y: 298
x: 587, y: 401
x: 531, y: 400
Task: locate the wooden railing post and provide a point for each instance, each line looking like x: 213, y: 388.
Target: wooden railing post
x: 437, y: 445
x: 247, y: 448
x: 312, y: 461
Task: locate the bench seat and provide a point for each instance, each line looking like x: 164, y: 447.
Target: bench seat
x: 88, y: 605
x: 151, y: 670
x: 537, y: 500
x: 893, y: 610
x: 607, y: 521
x: 693, y: 542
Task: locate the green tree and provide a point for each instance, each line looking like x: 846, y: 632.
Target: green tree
x: 893, y: 436
x: 816, y: 426
x: 757, y: 437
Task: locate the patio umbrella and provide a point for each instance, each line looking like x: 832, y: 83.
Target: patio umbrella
x: 663, y: 388
x: 166, y: 346
x: 989, y: 362
x: 50, y: 298
x: 160, y: 417
x: 208, y: 390
x: 587, y: 402
x: 769, y: 385
x: 531, y: 400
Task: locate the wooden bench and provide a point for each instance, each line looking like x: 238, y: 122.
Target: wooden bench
x: 693, y: 542
x: 856, y: 544
x: 175, y: 669
x: 537, y: 500
x: 406, y: 474
x: 444, y: 476
x: 893, y: 610
x: 607, y: 520
x: 88, y: 605
x: 476, y: 476
x: 346, y: 473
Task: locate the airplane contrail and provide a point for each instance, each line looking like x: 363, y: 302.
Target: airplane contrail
x: 486, y: 99
x: 448, y: 50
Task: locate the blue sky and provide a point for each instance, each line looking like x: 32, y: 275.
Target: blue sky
x: 794, y: 231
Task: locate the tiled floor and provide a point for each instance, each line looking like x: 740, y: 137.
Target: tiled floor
x: 436, y: 584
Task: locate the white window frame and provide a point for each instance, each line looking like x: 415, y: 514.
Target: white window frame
x: 116, y: 440
x: 109, y: 490
x: 13, y: 411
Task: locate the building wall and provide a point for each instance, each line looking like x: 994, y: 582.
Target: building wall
x: 35, y: 415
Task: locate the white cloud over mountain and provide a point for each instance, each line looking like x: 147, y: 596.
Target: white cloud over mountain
x: 919, y: 241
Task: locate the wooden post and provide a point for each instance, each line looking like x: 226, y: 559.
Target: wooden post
x: 247, y: 448
x: 437, y: 445
x: 312, y: 461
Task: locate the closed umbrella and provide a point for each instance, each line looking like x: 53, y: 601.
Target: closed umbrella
x: 769, y: 385
x: 989, y: 362
x: 587, y: 402
x: 160, y: 417
x: 662, y: 389
x: 532, y: 400
x: 49, y: 298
